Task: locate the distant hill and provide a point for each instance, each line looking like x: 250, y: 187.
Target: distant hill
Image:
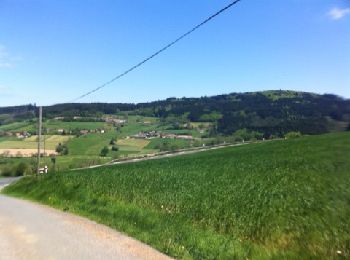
x: 273, y: 112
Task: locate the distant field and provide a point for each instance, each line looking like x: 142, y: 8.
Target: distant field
x: 179, y: 143
x: 198, y: 124
x: 131, y: 142
x: 52, y: 125
x: 14, y: 126
x: 30, y: 143
x: 285, y: 199
x: 90, y: 144
x: 26, y: 152
x: 56, y: 124
x: 141, y: 119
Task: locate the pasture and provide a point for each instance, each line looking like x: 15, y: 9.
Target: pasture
x: 178, y: 143
x: 16, y: 126
x: 57, y: 124
x: 285, y: 199
x: 132, y: 144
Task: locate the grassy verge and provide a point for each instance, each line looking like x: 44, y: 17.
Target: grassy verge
x: 273, y: 200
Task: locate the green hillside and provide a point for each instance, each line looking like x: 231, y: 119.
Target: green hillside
x: 271, y: 113
x: 270, y: 200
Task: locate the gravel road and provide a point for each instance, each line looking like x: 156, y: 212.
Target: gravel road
x: 32, y: 231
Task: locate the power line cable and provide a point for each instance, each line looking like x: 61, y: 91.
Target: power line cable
x: 159, y: 51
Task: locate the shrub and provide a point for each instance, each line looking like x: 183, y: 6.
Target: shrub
x: 244, y: 134
x: 115, y: 148
x: 21, y: 169
x: 113, y: 141
x: 174, y: 147
x: 104, y: 151
x: 291, y: 135
x: 62, y: 149
x: 7, y: 171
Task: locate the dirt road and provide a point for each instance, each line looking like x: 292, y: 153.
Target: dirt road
x: 32, y: 231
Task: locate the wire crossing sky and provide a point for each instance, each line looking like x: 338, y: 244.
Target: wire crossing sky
x: 54, y: 51
x: 158, y: 52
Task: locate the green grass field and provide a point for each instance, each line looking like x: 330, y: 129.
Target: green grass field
x: 179, y: 143
x: 17, y: 126
x: 137, y: 144
x: 57, y: 124
x: 273, y: 200
x: 52, y: 125
x: 90, y: 144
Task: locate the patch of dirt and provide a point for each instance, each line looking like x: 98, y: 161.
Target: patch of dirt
x: 24, y: 152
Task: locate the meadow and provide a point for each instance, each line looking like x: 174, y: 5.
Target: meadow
x: 179, y: 143
x: 15, y: 126
x: 52, y: 125
x: 57, y: 124
x: 271, y: 200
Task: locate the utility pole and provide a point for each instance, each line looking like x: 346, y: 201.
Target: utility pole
x: 39, y: 136
x: 44, y: 133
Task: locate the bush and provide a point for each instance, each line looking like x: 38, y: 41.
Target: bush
x: 113, y: 141
x: 115, y: 148
x: 62, y: 149
x: 104, y: 151
x: 291, y: 135
x: 16, y: 170
x: 165, y: 147
x: 244, y: 134
x: 21, y: 169
x: 7, y: 171
x: 174, y: 147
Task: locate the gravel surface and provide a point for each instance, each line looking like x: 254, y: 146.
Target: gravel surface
x: 32, y: 231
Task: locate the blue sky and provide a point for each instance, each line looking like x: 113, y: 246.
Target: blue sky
x: 52, y: 51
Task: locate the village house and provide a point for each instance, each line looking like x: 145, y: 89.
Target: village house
x: 22, y: 135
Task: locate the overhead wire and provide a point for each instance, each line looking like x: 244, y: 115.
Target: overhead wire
x: 157, y: 52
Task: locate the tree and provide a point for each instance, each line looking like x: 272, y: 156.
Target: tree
x: 62, y: 149
x: 104, y: 151
x: 115, y: 148
x: 113, y: 141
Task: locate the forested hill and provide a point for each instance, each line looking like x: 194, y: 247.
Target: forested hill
x: 269, y: 112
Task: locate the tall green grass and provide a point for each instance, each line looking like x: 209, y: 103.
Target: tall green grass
x: 271, y: 200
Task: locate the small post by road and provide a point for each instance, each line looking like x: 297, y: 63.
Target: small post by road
x: 39, y: 137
